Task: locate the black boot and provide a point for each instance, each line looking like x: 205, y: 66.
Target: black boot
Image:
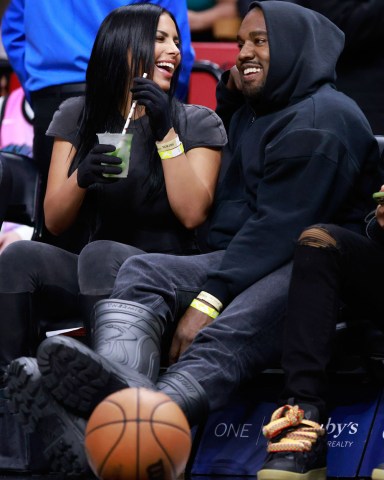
x: 128, y: 334
x: 126, y: 353
x: 18, y: 335
x: 87, y: 304
x: 61, y: 433
x: 184, y: 390
x: 297, y: 448
x: 80, y: 378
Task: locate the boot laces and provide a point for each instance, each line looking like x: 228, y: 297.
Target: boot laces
x: 296, y: 433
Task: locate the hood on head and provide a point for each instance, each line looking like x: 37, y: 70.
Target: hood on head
x: 304, y: 49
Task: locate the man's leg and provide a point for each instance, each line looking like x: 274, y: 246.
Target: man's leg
x: 241, y: 342
x: 330, y: 263
x: 151, y: 293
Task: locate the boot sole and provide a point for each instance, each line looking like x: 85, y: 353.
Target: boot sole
x: 318, y: 474
x: 62, y: 434
x: 80, y: 378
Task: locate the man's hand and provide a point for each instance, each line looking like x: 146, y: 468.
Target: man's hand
x: 189, y: 325
x: 380, y: 212
x: 234, y: 81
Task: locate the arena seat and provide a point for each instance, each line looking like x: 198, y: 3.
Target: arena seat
x: 211, y: 59
x: 24, y: 205
x: 202, y: 86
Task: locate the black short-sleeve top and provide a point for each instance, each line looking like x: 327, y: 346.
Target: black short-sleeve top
x: 123, y: 211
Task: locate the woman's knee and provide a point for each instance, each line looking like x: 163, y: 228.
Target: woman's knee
x: 99, y: 263
x: 18, y: 264
x: 20, y: 254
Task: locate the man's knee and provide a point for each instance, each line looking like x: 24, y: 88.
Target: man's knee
x: 317, y: 236
x: 148, y: 265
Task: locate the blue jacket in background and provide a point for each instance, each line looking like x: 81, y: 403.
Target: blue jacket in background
x: 49, y: 42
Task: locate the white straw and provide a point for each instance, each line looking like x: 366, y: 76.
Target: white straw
x: 131, y: 112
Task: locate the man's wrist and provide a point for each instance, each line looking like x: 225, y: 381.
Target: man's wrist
x: 202, y: 307
x: 210, y: 300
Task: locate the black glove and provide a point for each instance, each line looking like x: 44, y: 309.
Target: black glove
x: 91, y: 170
x: 146, y: 92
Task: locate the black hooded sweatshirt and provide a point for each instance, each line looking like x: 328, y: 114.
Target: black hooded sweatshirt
x: 305, y: 154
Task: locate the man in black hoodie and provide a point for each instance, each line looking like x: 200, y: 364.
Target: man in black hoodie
x: 360, y: 68
x: 300, y: 153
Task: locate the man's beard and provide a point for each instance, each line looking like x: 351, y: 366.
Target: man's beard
x: 254, y: 94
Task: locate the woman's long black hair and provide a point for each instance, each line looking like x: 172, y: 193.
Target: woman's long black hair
x: 123, y: 49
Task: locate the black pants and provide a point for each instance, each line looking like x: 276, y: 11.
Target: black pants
x: 351, y: 273
x: 55, y: 281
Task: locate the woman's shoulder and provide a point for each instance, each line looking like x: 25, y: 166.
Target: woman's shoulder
x: 71, y: 107
x: 203, y: 126
x: 65, y: 120
x: 193, y: 111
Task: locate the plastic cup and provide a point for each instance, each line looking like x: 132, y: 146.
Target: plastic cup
x: 122, y: 142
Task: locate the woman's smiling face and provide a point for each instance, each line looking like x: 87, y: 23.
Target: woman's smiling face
x: 167, y: 53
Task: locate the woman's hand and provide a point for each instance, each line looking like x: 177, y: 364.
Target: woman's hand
x: 156, y: 102
x: 95, y: 164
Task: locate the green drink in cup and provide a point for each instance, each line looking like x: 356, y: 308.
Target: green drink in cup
x: 122, y: 142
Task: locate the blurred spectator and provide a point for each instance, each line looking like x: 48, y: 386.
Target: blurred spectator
x: 51, y: 63
x: 12, y: 232
x: 9, y: 131
x: 16, y: 135
x: 211, y: 20
x: 360, y: 69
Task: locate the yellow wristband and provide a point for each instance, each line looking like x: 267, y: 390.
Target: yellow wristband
x: 170, y: 145
x: 175, y: 152
x: 211, y: 312
x: 207, y: 297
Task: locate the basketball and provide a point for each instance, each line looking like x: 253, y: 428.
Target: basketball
x: 137, y: 433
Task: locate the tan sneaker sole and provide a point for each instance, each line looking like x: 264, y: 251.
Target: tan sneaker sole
x: 269, y: 474
x: 378, y: 474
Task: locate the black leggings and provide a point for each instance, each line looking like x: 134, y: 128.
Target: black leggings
x: 348, y: 269
x: 55, y: 280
